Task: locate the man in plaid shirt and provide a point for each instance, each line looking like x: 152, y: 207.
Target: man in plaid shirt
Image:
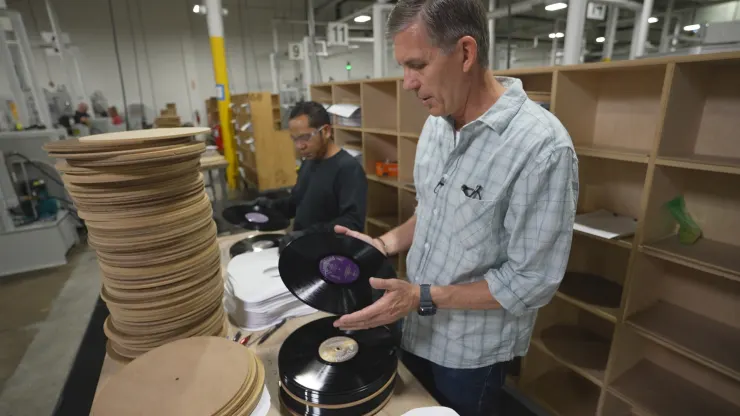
x: 497, y: 186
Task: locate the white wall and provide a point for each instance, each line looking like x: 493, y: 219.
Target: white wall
x: 167, y: 40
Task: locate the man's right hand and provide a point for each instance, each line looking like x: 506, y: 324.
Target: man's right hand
x: 339, y: 229
x: 262, y: 201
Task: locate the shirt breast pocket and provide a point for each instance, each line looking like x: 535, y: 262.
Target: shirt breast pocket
x: 474, y: 222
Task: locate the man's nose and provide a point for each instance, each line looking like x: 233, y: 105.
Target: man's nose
x: 410, y: 82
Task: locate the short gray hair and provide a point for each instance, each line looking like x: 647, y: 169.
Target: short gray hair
x: 446, y: 21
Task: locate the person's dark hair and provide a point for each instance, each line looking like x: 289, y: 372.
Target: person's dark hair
x: 446, y: 21
x: 316, y: 113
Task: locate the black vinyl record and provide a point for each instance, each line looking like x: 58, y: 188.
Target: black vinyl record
x: 256, y: 243
x: 330, y: 272
x: 326, y: 365
x: 365, y: 408
x: 255, y: 217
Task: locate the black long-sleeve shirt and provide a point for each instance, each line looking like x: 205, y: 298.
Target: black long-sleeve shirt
x: 327, y: 192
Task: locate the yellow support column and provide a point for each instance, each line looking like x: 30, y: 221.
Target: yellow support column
x: 216, y: 34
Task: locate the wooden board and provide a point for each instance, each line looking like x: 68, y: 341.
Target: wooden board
x: 577, y: 347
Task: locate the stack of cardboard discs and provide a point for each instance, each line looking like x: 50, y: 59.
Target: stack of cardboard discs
x: 227, y: 380
x: 149, y: 219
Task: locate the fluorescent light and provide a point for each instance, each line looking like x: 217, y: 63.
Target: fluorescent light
x: 363, y: 18
x: 196, y: 8
x: 555, y: 6
x: 692, y: 28
x: 600, y: 39
x: 652, y: 19
x: 556, y: 35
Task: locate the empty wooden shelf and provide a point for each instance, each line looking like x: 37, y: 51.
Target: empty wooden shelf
x: 662, y: 392
x: 707, y: 255
x: 609, y: 108
x: 574, y: 338
x: 321, y: 93
x: 661, y: 382
x: 412, y: 113
x: 714, y: 342
x: 559, y: 390
x: 701, y: 123
x: 694, y: 313
x: 380, y: 105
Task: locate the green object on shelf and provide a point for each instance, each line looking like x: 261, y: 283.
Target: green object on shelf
x: 688, y: 229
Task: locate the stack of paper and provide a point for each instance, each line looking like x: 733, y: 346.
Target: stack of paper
x: 255, y: 295
x: 605, y: 224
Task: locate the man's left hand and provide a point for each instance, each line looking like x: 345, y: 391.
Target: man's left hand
x: 400, y: 299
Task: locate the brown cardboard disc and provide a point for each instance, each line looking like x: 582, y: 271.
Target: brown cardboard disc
x: 183, y: 177
x: 167, y: 206
x: 173, y: 294
x: 209, y: 263
x: 114, y: 355
x: 142, y: 136
x: 167, y: 254
x: 152, y: 223
x: 125, y: 174
x: 104, y: 154
x: 180, y: 152
x: 157, y: 383
x: 140, y: 244
x: 143, y: 273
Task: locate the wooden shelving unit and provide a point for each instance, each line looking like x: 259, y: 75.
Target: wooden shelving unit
x: 641, y: 325
x: 265, y: 152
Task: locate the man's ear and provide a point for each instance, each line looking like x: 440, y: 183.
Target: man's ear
x: 469, y: 48
x: 326, y: 132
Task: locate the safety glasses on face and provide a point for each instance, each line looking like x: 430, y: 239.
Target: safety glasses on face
x: 307, y: 136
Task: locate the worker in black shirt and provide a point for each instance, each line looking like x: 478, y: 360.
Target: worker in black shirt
x: 331, y: 188
x: 81, y: 115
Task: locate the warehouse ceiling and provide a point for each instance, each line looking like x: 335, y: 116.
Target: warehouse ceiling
x: 536, y: 23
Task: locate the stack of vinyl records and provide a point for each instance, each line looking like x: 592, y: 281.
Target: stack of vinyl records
x: 325, y: 370
x: 197, y: 376
x: 149, y: 220
x: 256, y: 297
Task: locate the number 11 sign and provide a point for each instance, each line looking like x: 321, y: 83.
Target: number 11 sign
x: 337, y: 34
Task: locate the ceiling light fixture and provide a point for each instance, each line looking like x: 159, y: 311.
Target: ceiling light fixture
x: 652, y: 19
x: 692, y: 28
x: 556, y: 35
x: 600, y: 39
x: 196, y: 8
x: 555, y: 6
x: 363, y: 18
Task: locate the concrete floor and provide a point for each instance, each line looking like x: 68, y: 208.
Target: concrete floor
x: 43, y: 316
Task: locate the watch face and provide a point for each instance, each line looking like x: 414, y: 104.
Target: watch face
x: 427, y: 311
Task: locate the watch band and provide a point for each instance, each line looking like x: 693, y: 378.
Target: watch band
x: 425, y: 298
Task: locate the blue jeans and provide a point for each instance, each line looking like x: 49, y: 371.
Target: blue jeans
x: 469, y: 392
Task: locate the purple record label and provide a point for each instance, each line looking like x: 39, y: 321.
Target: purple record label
x: 339, y: 269
x: 256, y: 217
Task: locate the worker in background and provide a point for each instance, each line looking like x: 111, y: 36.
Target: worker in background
x: 81, y: 115
x: 496, y: 180
x: 331, y: 188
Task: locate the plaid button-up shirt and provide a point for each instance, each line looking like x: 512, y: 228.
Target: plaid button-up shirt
x: 516, y: 236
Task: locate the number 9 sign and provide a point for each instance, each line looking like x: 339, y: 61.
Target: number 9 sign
x: 295, y: 51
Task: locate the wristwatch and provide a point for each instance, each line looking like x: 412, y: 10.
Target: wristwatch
x: 426, y: 306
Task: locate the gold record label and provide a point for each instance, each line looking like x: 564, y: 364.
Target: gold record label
x: 338, y: 349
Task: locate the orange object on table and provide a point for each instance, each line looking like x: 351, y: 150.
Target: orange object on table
x: 386, y: 169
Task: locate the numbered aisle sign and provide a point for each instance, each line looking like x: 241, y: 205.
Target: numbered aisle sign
x: 295, y: 51
x: 596, y: 11
x: 337, y: 34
